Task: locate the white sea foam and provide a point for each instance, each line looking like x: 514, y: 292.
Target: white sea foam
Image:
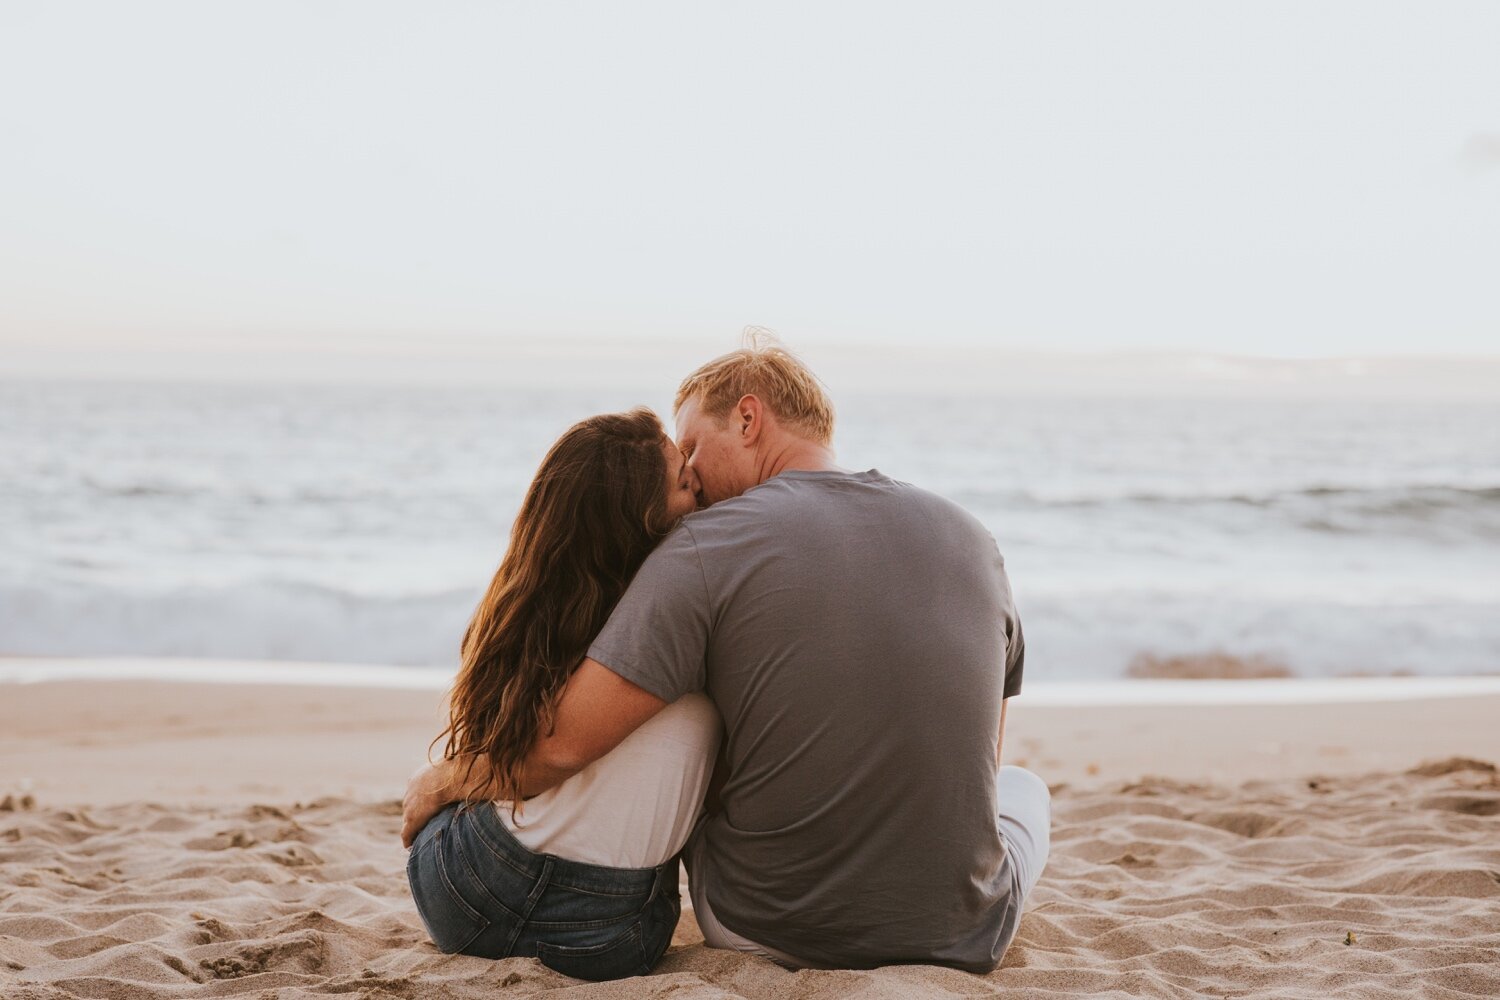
x: 1343, y: 690
x: 25, y: 670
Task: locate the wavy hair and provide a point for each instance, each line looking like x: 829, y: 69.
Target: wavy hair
x: 594, y: 511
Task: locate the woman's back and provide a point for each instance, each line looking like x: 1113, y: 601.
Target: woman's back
x: 636, y: 805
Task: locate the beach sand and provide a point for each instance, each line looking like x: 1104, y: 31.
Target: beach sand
x: 187, y: 840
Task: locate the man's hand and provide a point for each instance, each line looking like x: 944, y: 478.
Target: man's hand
x: 427, y: 792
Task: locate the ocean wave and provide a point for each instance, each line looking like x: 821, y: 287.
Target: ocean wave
x: 1410, y: 501
x: 271, y: 620
x: 1099, y: 635
x: 146, y: 489
x: 1070, y: 636
x: 161, y: 489
x: 1438, y: 495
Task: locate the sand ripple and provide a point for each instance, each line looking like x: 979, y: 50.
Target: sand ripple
x: 1386, y: 885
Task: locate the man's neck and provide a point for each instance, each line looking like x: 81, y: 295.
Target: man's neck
x: 798, y: 456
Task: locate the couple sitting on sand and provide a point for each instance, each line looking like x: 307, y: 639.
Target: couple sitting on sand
x: 840, y: 644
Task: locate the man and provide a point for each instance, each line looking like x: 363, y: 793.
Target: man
x: 858, y: 637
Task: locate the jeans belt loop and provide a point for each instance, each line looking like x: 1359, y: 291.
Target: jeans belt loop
x: 661, y: 877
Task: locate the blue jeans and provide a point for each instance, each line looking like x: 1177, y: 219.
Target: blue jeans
x: 481, y: 893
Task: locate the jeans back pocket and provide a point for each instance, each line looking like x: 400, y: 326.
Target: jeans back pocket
x: 620, y: 956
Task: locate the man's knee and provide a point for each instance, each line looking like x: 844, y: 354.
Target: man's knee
x: 1018, y: 780
x: 1025, y: 807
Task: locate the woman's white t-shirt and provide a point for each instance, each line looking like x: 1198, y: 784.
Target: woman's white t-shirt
x: 635, y: 806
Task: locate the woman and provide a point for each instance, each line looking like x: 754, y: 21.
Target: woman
x: 583, y: 876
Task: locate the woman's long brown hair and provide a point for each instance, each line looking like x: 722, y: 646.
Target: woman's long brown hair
x: 596, y: 508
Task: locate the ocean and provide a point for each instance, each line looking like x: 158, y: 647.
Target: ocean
x: 360, y: 523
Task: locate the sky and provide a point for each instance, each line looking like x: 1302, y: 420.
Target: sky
x: 191, y: 184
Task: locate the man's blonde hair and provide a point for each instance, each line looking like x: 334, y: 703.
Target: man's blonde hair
x: 771, y: 373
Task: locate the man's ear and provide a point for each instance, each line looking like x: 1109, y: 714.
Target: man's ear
x: 749, y: 419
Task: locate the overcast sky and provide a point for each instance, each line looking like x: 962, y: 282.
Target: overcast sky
x: 1284, y: 179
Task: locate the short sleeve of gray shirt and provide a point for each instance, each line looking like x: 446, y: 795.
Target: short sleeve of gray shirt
x: 657, y: 637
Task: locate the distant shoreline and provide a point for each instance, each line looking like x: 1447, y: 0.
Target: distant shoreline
x: 948, y: 369
x: 1271, y: 691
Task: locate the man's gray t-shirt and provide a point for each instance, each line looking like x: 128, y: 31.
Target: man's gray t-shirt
x: 857, y: 635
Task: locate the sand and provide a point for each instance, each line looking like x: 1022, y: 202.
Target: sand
x: 190, y: 840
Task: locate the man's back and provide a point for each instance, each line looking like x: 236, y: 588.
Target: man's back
x: 854, y: 633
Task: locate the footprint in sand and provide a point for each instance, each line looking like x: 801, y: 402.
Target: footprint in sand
x: 304, y: 953
x: 1438, y: 768
x: 223, y: 841
x: 1470, y: 805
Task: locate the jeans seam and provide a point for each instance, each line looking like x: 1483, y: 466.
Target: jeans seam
x: 452, y: 891
x: 499, y: 854
x: 523, y: 923
x: 581, y: 925
x: 478, y: 882
x: 602, y: 892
